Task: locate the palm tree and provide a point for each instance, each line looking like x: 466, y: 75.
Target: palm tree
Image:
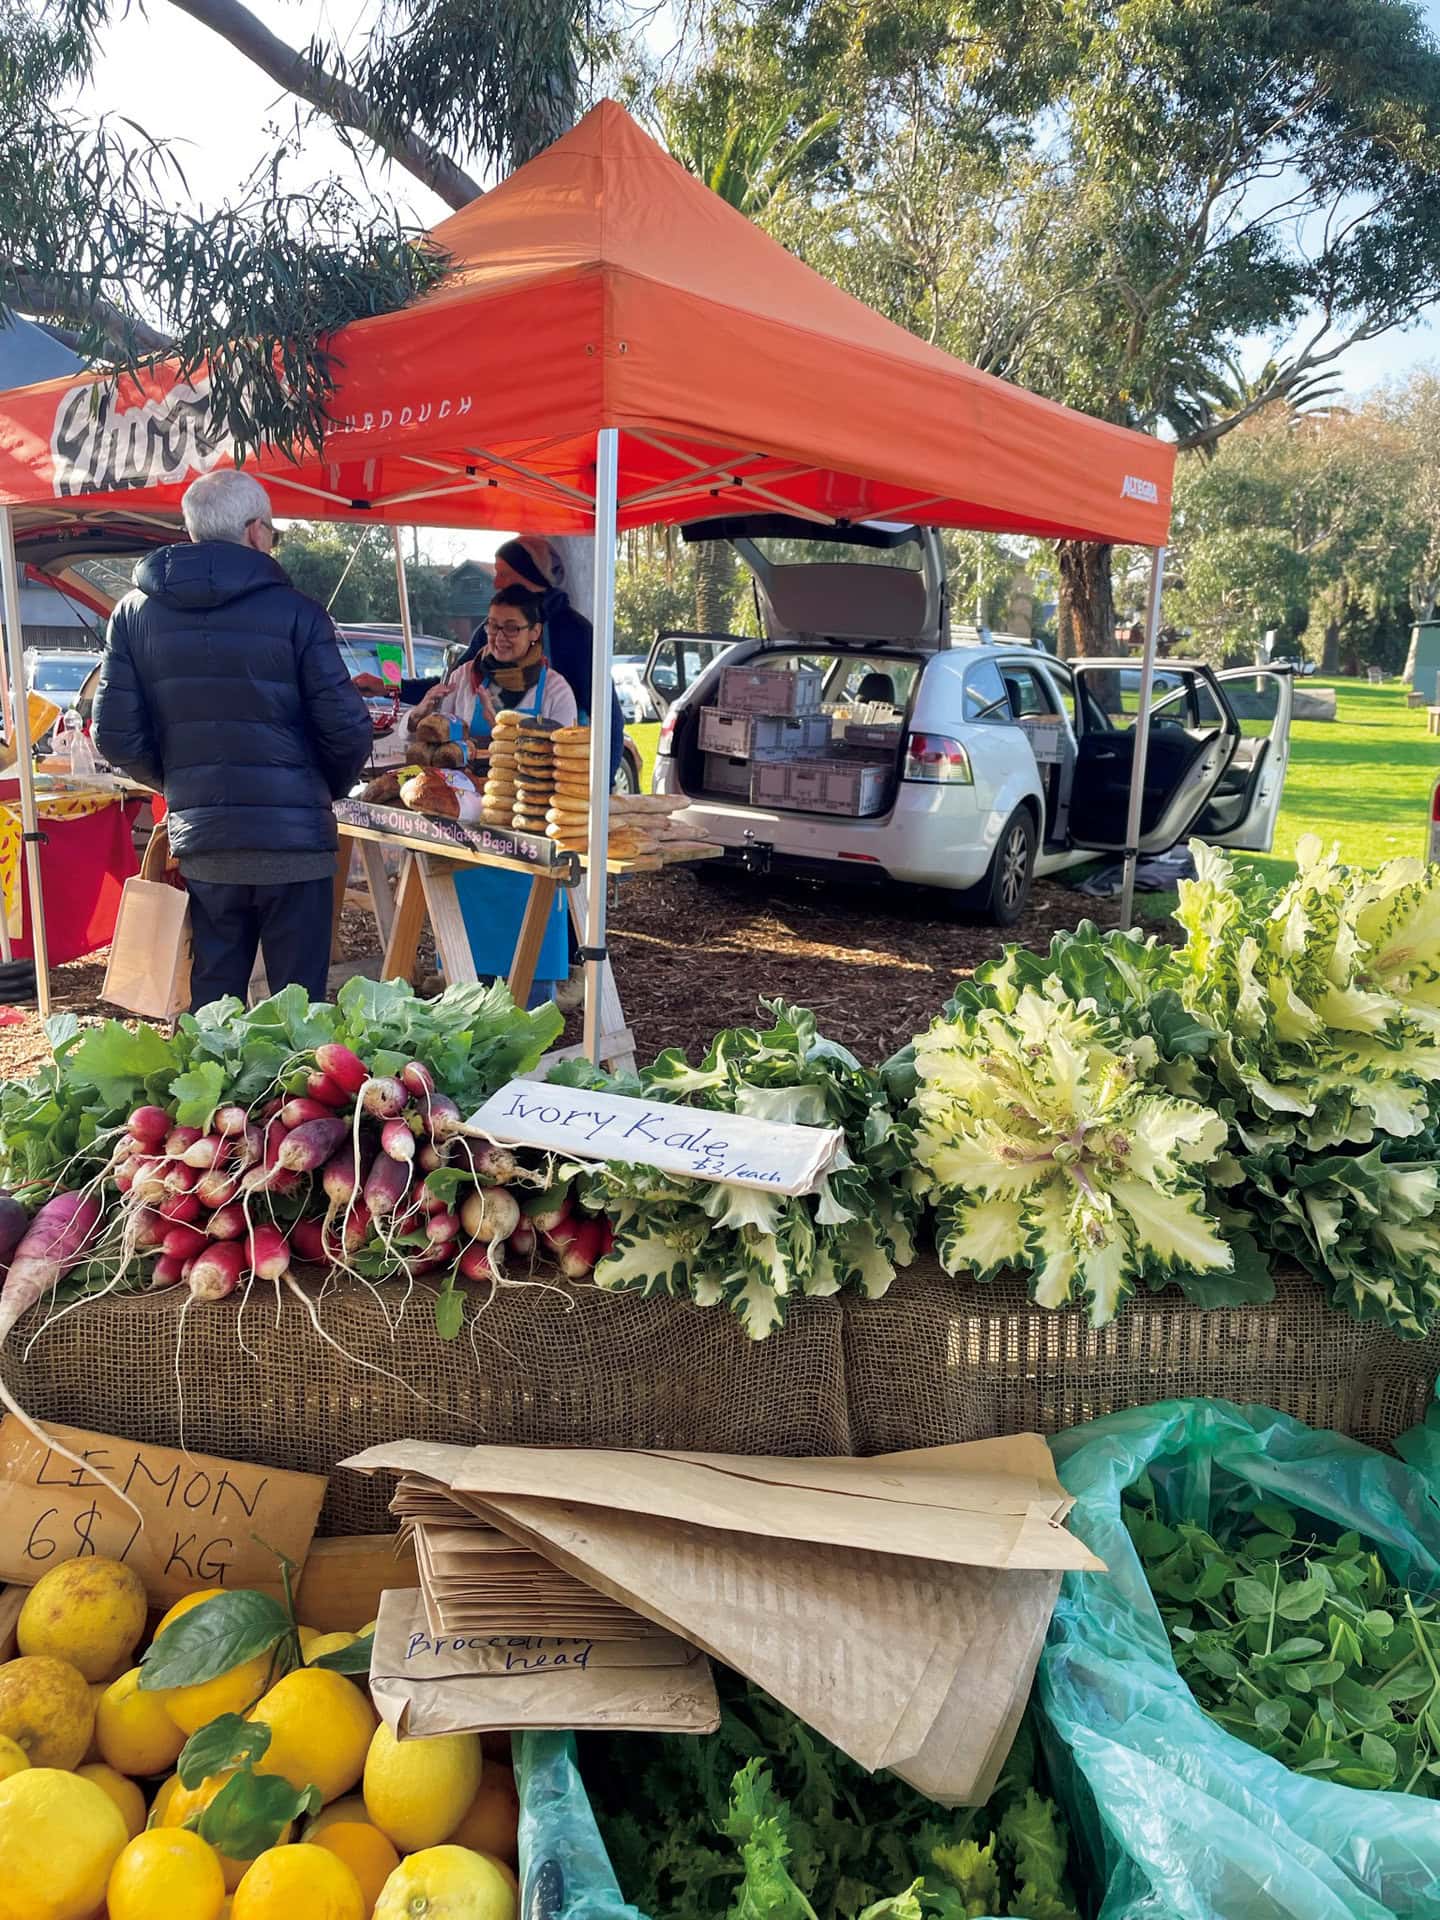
x: 1207, y: 394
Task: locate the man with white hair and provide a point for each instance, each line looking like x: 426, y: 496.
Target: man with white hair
x: 223, y: 688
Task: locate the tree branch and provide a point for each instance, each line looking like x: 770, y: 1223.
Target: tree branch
x: 54, y: 297
x: 333, y: 97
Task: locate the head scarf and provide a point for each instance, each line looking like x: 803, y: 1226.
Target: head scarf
x: 535, y: 560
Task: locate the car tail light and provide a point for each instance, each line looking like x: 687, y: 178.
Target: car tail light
x: 936, y: 757
x: 666, y: 742
x: 1435, y: 804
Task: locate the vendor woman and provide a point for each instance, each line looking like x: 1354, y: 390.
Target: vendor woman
x: 510, y: 671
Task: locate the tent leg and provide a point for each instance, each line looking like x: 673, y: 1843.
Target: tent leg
x: 1142, y: 738
x: 402, y: 588
x: 607, y: 487
x: 24, y: 763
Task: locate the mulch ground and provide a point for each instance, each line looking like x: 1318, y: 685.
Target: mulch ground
x: 694, y: 955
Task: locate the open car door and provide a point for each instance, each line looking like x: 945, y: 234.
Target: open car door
x: 1245, y: 805
x: 1194, y: 737
x: 677, y: 660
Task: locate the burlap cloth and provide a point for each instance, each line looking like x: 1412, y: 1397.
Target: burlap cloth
x: 937, y: 1360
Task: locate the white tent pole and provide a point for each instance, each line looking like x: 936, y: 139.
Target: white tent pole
x: 402, y: 588
x: 1142, y: 738
x: 607, y: 488
x: 24, y: 764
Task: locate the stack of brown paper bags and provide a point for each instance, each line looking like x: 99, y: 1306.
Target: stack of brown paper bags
x: 897, y: 1604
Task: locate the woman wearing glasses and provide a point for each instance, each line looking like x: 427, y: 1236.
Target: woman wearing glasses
x: 510, y: 670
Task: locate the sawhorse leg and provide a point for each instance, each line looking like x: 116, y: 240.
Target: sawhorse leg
x: 617, y: 1043
x: 532, y: 938
x: 404, y: 941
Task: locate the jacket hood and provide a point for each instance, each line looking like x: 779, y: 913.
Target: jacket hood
x: 206, y: 574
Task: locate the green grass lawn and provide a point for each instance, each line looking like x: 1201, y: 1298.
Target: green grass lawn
x: 645, y: 738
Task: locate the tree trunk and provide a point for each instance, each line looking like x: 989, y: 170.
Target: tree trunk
x: 714, y: 588
x: 1086, y: 614
x: 1330, y: 652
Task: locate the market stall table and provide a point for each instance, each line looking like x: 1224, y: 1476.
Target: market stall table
x: 87, y: 853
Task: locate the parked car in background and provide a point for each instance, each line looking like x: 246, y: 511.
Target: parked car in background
x: 979, y: 764
x: 637, y: 702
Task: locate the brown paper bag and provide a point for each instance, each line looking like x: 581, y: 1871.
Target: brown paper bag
x: 148, y: 971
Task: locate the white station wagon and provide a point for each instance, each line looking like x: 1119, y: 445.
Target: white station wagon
x: 998, y: 762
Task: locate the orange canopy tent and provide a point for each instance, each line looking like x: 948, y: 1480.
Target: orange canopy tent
x: 614, y: 346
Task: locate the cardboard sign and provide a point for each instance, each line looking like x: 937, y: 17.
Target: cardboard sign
x: 208, y: 1522
x: 727, y: 1147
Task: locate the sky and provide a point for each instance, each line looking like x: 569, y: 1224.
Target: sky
x: 181, y: 83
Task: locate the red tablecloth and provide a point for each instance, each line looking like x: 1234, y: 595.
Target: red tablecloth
x: 84, y: 864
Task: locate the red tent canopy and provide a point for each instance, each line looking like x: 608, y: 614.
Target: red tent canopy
x: 603, y: 286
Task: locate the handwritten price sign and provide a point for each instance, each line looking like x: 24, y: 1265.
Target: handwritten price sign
x: 208, y: 1522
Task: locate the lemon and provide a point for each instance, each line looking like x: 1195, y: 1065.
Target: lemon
x: 365, y: 1850
x: 321, y: 1643
x: 172, y: 1874
x: 97, y: 1694
x: 286, y: 1882
x: 45, y: 1708
x: 417, y: 1790
x: 369, y: 1627
x: 320, y: 1727
x: 447, y: 1883
x: 350, y: 1806
x: 235, y: 1691
x: 89, y: 1612
x: 307, y: 1636
x: 160, y: 1804
x: 59, y: 1837
x: 491, y: 1823
x: 185, y: 1803
x: 13, y: 1757
x: 124, y: 1793
x: 133, y: 1730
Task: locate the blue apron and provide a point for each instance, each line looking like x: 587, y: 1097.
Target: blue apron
x: 492, y: 902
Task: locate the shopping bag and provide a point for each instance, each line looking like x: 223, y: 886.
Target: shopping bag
x: 148, y: 971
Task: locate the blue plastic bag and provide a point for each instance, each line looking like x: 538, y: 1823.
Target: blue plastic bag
x: 565, y: 1870
x: 1185, y: 1821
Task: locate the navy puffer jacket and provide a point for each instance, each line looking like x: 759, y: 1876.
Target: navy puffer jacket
x: 223, y: 688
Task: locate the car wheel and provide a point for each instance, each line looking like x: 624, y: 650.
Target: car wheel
x: 1004, y: 893
x: 627, y: 776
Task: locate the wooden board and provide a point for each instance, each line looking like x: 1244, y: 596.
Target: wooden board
x: 462, y: 856
x: 12, y: 1599
x: 343, y: 1579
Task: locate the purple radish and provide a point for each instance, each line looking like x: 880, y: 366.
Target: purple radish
x: 205, y: 1152
x: 345, y: 1068
x: 296, y: 1112
x: 217, y: 1271
x: 179, y: 1138
x: 546, y: 1210
x: 442, y: 1116
x: 216, y: 1187
x: 181, y: 1179
x: 252, y: 1146
x: 307, y: 1241
x: 268, y: 1252
x: 308, y: 1147
x: 475, y: 1263
x: 319, y: 1086
x: 183, y: 1242
x: 228, y: 1223
x: 417, y: 1078
x: 340, y: 1178
x: 490, y: 1163
x: 150, y: 1229
x: 522, y: 1241
x: 231, y: 1121
x: 383, y: 1096
x: 443, y: 1227
x: 166, y: 1273
x: 490, y: 1213
x: 430, y: 1158
x: 148, y: 1125
x: 385, y: 1184
x: 179, y: 1208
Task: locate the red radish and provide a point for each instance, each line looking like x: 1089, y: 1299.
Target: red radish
x: 397, y: 1139
x: 409, y: 1217
x: 231, y: 1121
x: 124, y: 1177
x: 268, y: 1252
x: 271, y: 1108
x: 217, y: 1271
x: 340, y: 1178
x: 296, y: 1112
x: 522, y: 1241
x: 357, y: 1228
x: 430, y: 1158
x: 329, y: 1093
x: 442, y: 1227
x: 546, y: 1210
x: 432, y: 1262
x: 149, y: 1228
x: 417, y: 1078
x: 166, y: 1273
x: 228, y: 1223
x: 178, y: 1208
x: 216, y: 1187
x: 310, y: 1145
x: 441, y: 1114
x: 181, y: 1179
x: 383, y: 1096
x: 125, y: 1148
x: 252, y: 1146
x: 576, y: 1246
x: 148, y: 1125
x: 345, y: 1068
x: 606, y: 1236
x: 307, y: 1241
x: 179, y: 1138
x: 475, y: 1263
x: 490, y: 1213
x: 148, y: 1185
x: 205, y: 1152
x: 490, y: 1163
x: 432, y: 1202
x: 183, y: 1241
x: 385, y: 1184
